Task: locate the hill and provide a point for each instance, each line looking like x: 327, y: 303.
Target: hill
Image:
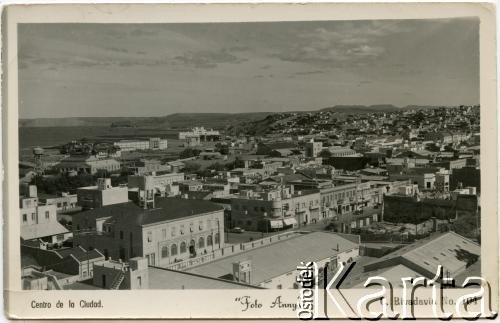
x: 357, y: 109
x: 173, y: 121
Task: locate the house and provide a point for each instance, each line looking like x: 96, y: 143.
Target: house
x: 40, y: 221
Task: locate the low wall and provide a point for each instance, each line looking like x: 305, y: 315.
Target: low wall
x: 231, y: 250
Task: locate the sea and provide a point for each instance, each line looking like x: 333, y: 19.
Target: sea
x: 46, y: 137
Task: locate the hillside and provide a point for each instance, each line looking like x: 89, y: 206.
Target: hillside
x: 173, y: 121
x: 357, y: 109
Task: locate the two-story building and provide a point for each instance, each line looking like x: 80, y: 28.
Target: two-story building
x: 174, y: 229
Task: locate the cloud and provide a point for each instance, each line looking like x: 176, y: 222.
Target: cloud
x: 239, y: 48
x: 351, y: 43
x: 118, y: 50
x: 309, y: 73
x: 208, y: 59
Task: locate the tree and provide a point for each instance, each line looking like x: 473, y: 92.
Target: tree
x: 189, y: 152
x: 192, y: 167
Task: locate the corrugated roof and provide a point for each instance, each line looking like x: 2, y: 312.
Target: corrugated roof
x: 441, y: 249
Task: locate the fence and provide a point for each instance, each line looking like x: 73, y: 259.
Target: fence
x: 231, y: 250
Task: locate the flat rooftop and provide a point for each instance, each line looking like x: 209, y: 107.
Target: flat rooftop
x: 160, y: 278
x: 291, y: 252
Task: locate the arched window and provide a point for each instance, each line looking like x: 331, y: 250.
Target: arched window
x: 209, y: 240
x: 173, y: 250
x: 201, y: 242
x: 192, y: 243
x: 217, y: 238
x: 164, y: 252
x: 183, y: 247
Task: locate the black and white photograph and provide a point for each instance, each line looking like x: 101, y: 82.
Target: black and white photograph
x: 225, y: 155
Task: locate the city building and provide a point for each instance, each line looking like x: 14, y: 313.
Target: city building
x: 64, y: 202
x: 145, y: 166
x: 87, y: 164
x: 275, y: 266
x: 156, y: 183
x: 202, y: 133
x: 274, y: 209
x: 114, y: 274
x: 174, y: 230
x: 313, y: 148
x: 151, y: 144
x: 102, y: 194
x: 459, y: 257
x: 39, y: 222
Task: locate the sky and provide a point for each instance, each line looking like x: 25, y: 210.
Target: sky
x: 75, y: 70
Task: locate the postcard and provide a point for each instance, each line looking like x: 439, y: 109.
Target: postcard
x: 250, y: 161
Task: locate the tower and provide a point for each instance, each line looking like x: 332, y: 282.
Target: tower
x: 38, y: 157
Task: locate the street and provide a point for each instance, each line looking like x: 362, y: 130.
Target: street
x: 235, y: 238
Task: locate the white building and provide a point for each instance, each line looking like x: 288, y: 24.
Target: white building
x: 102, y: 194
x: 151, y: 144
x: 201, y: 132
x: 40, y: 221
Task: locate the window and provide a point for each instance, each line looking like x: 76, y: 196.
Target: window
x: 33, y: 216
x: 164, y: 252
x: 182, y: 229
x: 183, y: 247
x: 200, y: 225
x: 25, y: 218
x: 173, y: 231
x: 209, y: 241
x: 217, y: 238
x: 150, y: 236
x: 173, y: 249
x: 47, y: 214
x: 201, y: 242
x: 164, y: 233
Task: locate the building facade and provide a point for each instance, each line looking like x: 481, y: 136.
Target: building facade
x: 150, y: 144
x: 102, y: 194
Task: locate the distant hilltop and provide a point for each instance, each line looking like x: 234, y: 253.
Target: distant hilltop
x: 189, y: 120
x: 173, y: 121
